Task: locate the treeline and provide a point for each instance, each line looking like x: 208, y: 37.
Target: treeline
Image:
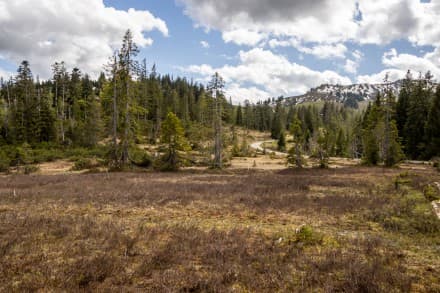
x: 127, y: 105
x: 130, y: 104
x: 274, y: 116
x: 389, y: 130
x: 408, y: 127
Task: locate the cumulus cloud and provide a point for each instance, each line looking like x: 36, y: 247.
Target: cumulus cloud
x: 393, y: 74
x: 320, y: 21
x: 321, y: 51
x: 264, y: 74
x: 82, y: 33
x: 351, y: 66
x: 205, y: 44
x: 430, y: 61
x: 308, y: 20
x: 398, y: 64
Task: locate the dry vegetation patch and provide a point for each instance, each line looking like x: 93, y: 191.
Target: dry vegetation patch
x: 292, y: 230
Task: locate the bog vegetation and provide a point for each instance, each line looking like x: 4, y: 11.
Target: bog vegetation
x: 352, y: 230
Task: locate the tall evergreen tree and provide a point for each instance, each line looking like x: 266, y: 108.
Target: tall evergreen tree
x: 433, y: 127
x: 173, y: 137
x: 216, y: 86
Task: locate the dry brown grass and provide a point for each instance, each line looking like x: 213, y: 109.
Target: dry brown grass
x: 210, y: 232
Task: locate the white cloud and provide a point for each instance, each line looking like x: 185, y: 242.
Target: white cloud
x: 393, y: 74
x: 321, y: 51
x: 243, y: 37
x: 430, y: 61
x: 398, y: 64
x: 261, y: 72
x: 357, y: 55
x: 319, y: 21
x: 82, y: 33
x: 5, y: 74
x: 351, y: 66
x: 205, y: 44
x: 326, y: 51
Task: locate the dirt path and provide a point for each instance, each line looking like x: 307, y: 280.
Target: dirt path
x: 258, y: 145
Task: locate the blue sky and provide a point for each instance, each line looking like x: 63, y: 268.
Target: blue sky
x: 262, y: 47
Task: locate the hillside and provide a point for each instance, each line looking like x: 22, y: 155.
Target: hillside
x: 350, y: 94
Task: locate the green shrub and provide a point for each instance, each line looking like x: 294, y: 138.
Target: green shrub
x: 140, y: 158
x: 431, y: 193
x: 83, y: 164
x: 5, y: 161
x: 29, y: 169
x: 307, y: 236
x: 46, y: 155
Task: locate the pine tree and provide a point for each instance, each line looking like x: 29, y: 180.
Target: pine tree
x: 295, y: 154
x: 433, y: 127
x: 173, y: 137
x: 282, y: 142
x: 371, y: 133
x: 418, y: 110
x: 277, y: 122
x: 340, y: 144
x: 323, y: 148
x: 127, y: 67
x: 239, y: 115
x: 402, y: 105
x: 216, y: 86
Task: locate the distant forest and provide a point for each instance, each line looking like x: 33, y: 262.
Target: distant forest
x: 129, y: 104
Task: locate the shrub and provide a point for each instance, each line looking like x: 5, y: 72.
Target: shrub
x: 307, y: 236
x: 5, y: 161
x: 140, y: 158
x: 431, y: 193
x: 29, y: 169
x: 83, y: 164
x: 46, y: 155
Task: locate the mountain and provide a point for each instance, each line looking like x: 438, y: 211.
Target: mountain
x: 347, y: 94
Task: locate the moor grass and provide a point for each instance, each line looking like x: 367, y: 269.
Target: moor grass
x: 341, y: 230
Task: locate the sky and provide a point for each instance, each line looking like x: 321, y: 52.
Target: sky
x: 262, y: 48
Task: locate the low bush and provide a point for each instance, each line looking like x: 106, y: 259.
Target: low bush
x: 84, y: 164
x: 431, y: 193
x: 29, y: 169
x: 5, y: 161
x: 140, y: 158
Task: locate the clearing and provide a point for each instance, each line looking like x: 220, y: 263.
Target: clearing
x: 346, y: 229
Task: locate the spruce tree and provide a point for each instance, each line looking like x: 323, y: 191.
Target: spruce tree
x: 282, y: 142
x: 418, y: 110
x: 216, y: 86
x: 433, y: 127
x: 295, y: 157
x: 173, y: 136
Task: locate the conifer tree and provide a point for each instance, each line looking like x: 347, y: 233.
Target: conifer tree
x: 295, y: 154
x: 418, y: 110
x: 323, y: 148
x: 433, y: 127
x: 216, y: 86
x: 127, y: 67
x: 282, y: 142
x: 174, y: 138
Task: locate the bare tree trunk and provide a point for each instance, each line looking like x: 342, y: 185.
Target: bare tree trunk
x: 218, y: 162
x: 62, y: 113
x: 115, y: 115
x: 127, y: 116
